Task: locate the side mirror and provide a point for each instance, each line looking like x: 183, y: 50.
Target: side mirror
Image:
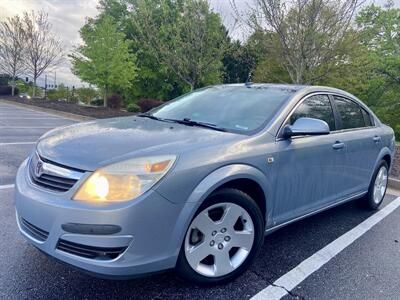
x: 306, y: 126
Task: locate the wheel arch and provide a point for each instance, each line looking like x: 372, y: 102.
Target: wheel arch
x: 245, y: 178
x: 386, y: 155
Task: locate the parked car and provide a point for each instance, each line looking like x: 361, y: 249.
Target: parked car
x: 24, y: 95
x: 196, y: 183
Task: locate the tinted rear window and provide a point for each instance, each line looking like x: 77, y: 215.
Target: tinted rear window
x: 350, y: 113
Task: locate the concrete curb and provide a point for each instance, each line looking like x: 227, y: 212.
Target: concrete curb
x: 394, y: 183
x: 49, y: 110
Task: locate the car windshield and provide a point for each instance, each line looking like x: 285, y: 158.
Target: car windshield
x: 234, y: 108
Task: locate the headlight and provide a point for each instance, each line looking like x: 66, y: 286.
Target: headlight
x: 125, y: 180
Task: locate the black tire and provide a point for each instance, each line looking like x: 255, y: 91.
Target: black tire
x: 368, y: 199
x: 185, y: 271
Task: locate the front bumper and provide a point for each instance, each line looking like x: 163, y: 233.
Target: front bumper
x: 151, y: 229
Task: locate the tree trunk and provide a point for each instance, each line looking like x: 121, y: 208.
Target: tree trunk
x: 34, y: 88
x: 105, y: 98
x: 13, y: 87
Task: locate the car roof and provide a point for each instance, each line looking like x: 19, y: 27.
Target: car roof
x: 296, y: 88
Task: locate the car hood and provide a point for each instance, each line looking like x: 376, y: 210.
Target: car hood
x: 90, y: 145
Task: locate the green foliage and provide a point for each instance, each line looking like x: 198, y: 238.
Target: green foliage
x: 86, y: 95
x: 104, y: 60
x: 179, y: 45
x: 380, y: 35
x: 61, y: 93
x: 185, y: 36
x: 22, y: 86
x: 154, y: 80
x: 133, y: 107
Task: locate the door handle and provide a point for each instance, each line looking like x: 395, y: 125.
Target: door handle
x: 338, y: 145
x: 377, y: 139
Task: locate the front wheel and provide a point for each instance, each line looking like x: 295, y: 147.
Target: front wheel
x: 222, y: 239
x: 378, y: 186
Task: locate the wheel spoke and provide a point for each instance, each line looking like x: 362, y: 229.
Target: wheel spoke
x: 204, y: 223
x: 376, y: 197
x: 222, y: 263
x: 380, y: 175
x: 197, y: 253
x: 382, y: 191
x: 231, y: 215
x: 243, y: 239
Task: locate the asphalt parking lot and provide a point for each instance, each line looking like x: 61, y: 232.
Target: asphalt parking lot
x: 345, y: 253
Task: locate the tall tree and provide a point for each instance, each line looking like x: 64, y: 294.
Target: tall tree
x: 104, y: 59
x: 12, y: 48
x: 155, y: 79
x: 380, y: 35
x: 184, y: 35
x: 309, y: 36
x: 43, y: 47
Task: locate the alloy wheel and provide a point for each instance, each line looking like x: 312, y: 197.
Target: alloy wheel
x: 380, y: 184
x: 219, y: 239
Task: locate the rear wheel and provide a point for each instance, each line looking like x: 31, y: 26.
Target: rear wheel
x: 378, y: 186
x: 222, y: 239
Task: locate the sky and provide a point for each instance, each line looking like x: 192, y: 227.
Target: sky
x: 68, y: 16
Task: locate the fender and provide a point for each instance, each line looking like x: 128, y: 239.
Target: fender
x: 384, y: 151
x: 228, y: 173
x: 208, y: 185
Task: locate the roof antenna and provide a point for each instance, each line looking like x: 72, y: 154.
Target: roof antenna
x: 248, y: 81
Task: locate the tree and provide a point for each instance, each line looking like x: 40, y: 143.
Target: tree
x: 86, y: 95
x: 155, y: 79
x: 104, y: 59
x: 43, y: 48
x: 309, y: 37
x: 380, y: 35
x: 184, y: 35
x: 12, y: 48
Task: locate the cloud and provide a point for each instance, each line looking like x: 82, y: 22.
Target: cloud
x: 66, y: 17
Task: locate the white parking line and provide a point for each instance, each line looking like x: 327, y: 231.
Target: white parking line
x: 17, y: 143
x: 7, y: 186
x: 290, y: 280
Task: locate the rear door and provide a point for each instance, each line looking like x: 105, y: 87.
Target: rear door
x: 310, y: 167
x: 363, y: 143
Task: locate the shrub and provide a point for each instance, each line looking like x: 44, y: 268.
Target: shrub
x: 6, y: 90
x: 114, y: 101
x: 147, y: 104
x: 133, y: 107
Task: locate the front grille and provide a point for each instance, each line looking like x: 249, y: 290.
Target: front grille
x: 52, y: 176
x: 100, y: 253
x: 34, y: 231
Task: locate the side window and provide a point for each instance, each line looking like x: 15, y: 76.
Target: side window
x: 367, y: 118
x: 317, y: 107
x: 350, y: 113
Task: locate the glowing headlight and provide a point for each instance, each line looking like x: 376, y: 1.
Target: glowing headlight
x: 125, y: 180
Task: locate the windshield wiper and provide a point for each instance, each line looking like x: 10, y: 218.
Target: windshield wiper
x: 189, y: 122
x: 146, y: 115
